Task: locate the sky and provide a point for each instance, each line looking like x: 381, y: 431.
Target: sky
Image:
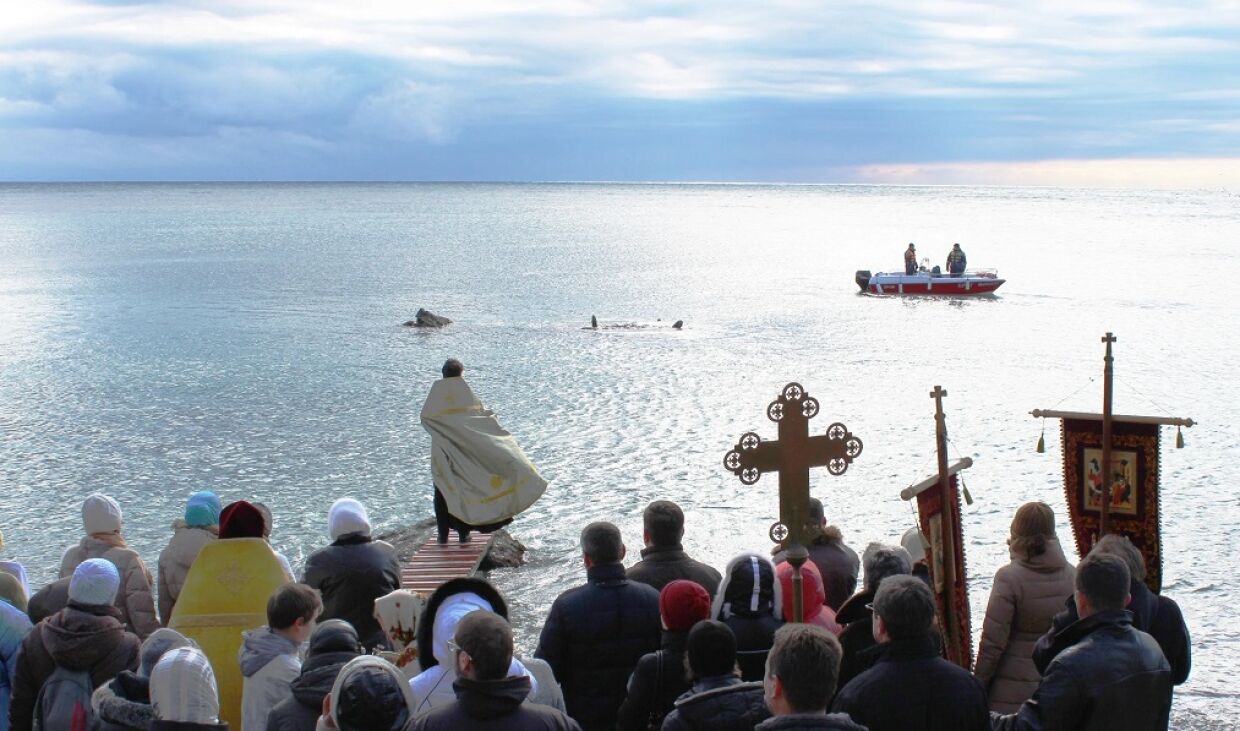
x: 1115, y: 93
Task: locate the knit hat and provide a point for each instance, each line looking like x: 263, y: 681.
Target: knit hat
x: 11, y: 591
x: 94, y: 582
x: 370, y: 694
x: 157, y: 645
x: 682, y: 604
x: 183, y: 688
x: 202, y: 509
x: 241, y: 520
x: 347, y: 516
x: 333, y: 635
x: 711, y: 649
x: 1033, y: 519
x: 101, y: 514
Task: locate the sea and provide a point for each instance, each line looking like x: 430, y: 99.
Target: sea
x: 158, y: 339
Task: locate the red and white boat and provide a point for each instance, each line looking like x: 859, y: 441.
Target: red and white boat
x: 969, y: 284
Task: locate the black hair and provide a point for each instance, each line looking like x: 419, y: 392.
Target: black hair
x: 1104, y: 580
x: 452, y: 368
x: 806, y: 659
x: 906, y: 607
x: 664, y: 522
x: 601, y: 543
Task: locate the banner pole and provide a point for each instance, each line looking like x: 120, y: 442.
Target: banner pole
x: 1108, y: 377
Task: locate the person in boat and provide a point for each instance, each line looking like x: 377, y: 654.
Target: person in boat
x: 481, y: 477
x: 956, y: 260
x: 910, y: 259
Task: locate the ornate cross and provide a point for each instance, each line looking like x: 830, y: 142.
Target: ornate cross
x: 792, y: 456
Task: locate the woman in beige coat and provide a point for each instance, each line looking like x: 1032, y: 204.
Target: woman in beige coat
x: 200, y: 526
x: 136, y: 601
x: 1026, y: 595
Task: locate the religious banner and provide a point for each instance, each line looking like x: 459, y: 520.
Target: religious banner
x: 929, y: 511
x: 1132, y: 489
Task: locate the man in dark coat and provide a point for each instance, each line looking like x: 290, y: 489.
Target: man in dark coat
x: 837, y: 563
x: 1159, y: 616
x: 910, y: 687
x: 595, y: 634
x: 800, y: 680
x: 353, y: 571
x: 49, y: 600
x: 487, y: 699
x: 664, y: 559
x: 332, y: 645
x: 85, y: 636
x: 1109, y: 675
x: 855, y: 615
x: 719, y: 700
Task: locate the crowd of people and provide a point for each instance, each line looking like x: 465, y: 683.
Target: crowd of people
x: 668, y: 643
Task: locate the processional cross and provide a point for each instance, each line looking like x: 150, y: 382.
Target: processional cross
x: 792, y: 456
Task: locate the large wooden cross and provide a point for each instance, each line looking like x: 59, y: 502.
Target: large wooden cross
x: 792, y: 456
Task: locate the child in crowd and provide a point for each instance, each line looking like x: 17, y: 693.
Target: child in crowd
x: 269, y: 655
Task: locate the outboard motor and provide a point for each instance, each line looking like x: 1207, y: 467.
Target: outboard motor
x: 863, y: 279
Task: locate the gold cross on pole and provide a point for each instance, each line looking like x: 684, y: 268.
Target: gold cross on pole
x: 792, y: 456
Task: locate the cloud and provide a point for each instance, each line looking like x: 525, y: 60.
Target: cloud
x: 791, y: 87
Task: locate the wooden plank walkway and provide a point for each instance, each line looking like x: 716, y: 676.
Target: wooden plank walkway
x: 434, y: 562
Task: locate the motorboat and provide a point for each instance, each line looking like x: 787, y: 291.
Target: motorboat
x: 930, y: 282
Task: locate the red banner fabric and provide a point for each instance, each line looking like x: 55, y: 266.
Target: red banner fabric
x: 928, y: 509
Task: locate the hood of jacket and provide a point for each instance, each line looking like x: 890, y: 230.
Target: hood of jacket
x: 95, y: 546
x: 1048, y: 562
x: 437, y: 685
x: 261, y: 646
x: 813, y: 595
x: 748, y: 589
x: 80, y: 637
x: 432, y: 643
x: 808, y: 721
x: 854, y: 608
x: 125, y: 701
x: 363, y: 698
x: 723, y: 698
x: 318, y: 674
x: 485, y: 700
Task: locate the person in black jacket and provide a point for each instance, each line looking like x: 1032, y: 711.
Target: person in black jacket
x: 750, y: 602
x: 595, y: 634
x: 719, y: 700
x: 855, y: 615
x: 1159, y: 616
x: 911, y: 688
x: 332, y: 645
x: 659, y: 678
x: 1109, y: 675
x: 837, y: 563
x: 664, y: 559
x: 353, y: 571
x: 487, y: 698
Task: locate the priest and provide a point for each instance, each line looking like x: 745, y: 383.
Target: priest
x: 482, y: 478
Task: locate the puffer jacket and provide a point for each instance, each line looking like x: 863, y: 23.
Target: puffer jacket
x: 350, y: 574
x: 136, y: 598
x: 722, y: 703
x: 657, y: 681
x: 14, y: 626
x: 78, y: 638
x: 301, y: 712
x: 1027, y: 594
x: 175, y: 560
x: 1159, y: 616
x: 593, y: 637
x: 813, y: 597
x: 123, y: 704
x: 749, y: 602
x: 1110, y: 676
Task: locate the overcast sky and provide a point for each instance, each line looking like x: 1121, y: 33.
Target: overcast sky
x: 1111, y: 92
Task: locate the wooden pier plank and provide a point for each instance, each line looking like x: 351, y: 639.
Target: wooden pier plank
x: 435, y: 563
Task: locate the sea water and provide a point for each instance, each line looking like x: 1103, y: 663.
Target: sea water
x: 161, y: 339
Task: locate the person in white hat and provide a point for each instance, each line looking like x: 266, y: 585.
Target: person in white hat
x: 85, y: 636
x: 183, y: 692
x: 101, y: 516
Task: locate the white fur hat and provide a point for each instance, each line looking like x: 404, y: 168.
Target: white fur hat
x: 101, y: 514
x: 347, y: 516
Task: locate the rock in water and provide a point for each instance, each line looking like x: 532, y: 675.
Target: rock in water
x: 426, y: 318
x: 505, y: 552
x: 678, y: 324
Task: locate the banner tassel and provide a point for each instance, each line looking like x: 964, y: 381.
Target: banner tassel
x: 1042, y: 442
x: 1179, y: 438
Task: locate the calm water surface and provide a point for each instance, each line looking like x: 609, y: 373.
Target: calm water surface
x: 161, y: 339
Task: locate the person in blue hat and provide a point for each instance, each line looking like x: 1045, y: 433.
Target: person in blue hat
x: 200, y: 526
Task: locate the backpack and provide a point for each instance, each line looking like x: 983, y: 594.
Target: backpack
x: 64, y: 702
